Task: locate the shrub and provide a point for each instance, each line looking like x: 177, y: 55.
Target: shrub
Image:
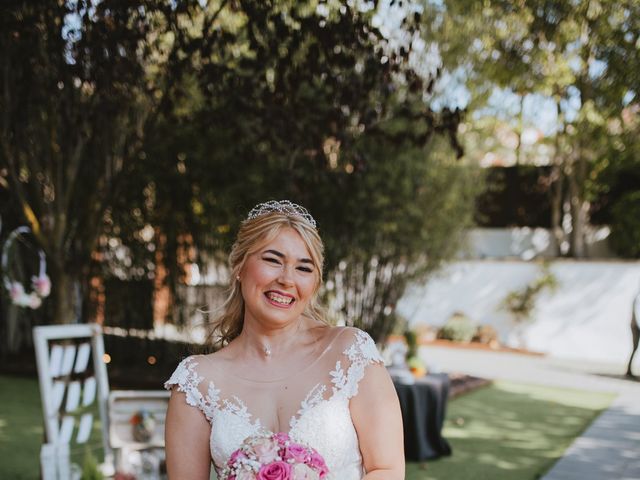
x: 411, y: 338
x: 90, y: 469
x: 486, y: 334
x: 458, y: 328
x: 625, y: 225
x: 521, y: 303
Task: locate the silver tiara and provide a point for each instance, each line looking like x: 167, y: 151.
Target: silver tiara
x: 281, y: 206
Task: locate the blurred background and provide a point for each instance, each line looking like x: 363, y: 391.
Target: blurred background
x: 474, y: 168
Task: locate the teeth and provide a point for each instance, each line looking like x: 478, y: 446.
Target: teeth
x: 279, y: 299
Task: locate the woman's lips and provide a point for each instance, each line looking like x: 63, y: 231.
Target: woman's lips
x: 279, y: 299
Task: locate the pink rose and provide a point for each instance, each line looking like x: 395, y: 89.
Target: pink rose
x: 34, y: 301
x: 42, y: 285
x: 275, y: 471
x: 235, y: 456
x: 282, y: 438
x: 266, y: 449
x: 317, y: 463
x: 16, y: 290
x: 296, y: 452
x: 301, y: 471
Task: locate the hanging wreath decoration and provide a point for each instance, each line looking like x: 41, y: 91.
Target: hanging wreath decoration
x: 40, y: 284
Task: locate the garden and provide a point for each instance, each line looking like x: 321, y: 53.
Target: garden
x: 503, y: 431
x: 136, y: 136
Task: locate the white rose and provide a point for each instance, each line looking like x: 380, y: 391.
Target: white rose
x: 300, y: 471
x: 245, y: 475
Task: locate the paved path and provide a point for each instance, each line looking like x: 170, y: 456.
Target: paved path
x: 609, y: 449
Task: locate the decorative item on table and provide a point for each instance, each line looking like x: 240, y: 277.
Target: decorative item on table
x: 414, y: 362
x: 395, y: 354
x: 143, y: 426
x: 274, y: 457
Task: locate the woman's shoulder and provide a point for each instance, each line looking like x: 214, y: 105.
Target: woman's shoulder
x: 356, y: 344
x: 185, y: 373
x: 186, y: 378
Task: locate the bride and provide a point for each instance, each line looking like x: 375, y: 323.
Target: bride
x: 281, y: 367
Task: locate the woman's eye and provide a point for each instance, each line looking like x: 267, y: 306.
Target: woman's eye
x: 271, y: 259
x: 305, y: 269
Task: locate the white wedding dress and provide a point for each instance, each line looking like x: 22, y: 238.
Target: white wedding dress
x: 315, y: 401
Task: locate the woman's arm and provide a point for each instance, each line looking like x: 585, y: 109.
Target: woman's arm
x: 186, y: 435
x: 375, y: 411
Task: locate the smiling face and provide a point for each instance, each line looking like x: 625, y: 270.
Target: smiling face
x: 278, y: 280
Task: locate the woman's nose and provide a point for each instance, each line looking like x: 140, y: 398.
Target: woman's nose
x: 286, y: 276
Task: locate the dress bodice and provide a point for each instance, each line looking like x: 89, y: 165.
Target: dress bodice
x: 319, y: 398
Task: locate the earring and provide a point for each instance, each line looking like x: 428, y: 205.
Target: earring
x: 238, y: 277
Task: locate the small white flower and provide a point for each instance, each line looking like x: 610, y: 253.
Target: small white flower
x: 41, y: 285
x: 34, y: 300
x: 24, y: 300
x: 16, y: 291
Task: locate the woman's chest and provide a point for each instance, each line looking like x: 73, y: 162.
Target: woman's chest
x: 325, y: 425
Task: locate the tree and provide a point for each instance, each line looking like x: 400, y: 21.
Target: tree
x: 619, y: 184
x: 74, y: 99
x: 158, y: 127
x: 576, y: 54
x: 315, y: 104
x: 399, y: 220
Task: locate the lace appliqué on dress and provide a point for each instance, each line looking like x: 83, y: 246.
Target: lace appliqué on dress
x: 187, y: 380
x: 238, y: 408
x: 313, y: 398
x: 361, y: 352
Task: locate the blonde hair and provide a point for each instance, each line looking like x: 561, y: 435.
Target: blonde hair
x: 253, y: 234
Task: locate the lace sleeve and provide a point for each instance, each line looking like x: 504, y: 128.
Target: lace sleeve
x: 186, y: 379
x: 361, y: 352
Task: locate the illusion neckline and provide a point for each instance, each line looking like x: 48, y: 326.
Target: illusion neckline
x: 257, y: 422
x: 292, y: 375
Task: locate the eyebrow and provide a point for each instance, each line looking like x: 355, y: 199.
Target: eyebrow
x: 282, y: 255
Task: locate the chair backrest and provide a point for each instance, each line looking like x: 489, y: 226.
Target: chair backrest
x: 128, y: 409
x: 73, y: 377
x: 136, y: 431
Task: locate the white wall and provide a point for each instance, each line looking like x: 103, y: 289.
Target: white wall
x: 587, y: 317
x: 527, y: 243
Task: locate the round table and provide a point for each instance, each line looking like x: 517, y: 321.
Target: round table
x: 423, y: 406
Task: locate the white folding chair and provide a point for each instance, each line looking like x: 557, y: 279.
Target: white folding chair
x: 73, y: 377
x: 138, y: 448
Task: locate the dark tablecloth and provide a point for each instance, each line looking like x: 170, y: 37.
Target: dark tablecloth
x: 423, y: 407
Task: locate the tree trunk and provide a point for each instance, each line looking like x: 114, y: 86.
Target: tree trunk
x: 556, y: 191
x: 519, y: 159
x: 579, y: 209
x: 11, y: 334
x: 65, y: 294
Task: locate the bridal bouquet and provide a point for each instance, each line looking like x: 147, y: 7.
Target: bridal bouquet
x: 274, y: 457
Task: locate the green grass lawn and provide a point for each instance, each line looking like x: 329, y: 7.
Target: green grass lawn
x: 22, y: 430
x: 510, y: 431
x: 504, y: 431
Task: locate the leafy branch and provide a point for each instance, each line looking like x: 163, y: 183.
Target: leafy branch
x: 521, y: 303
